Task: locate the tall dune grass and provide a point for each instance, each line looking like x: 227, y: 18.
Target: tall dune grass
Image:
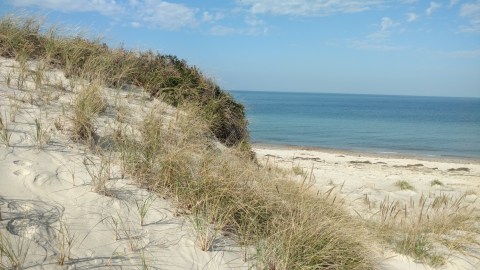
x: 87, y: 104
x: 288, y: 225
x: 415, y: 227
x: 166, y: 76
x: 282, y: 224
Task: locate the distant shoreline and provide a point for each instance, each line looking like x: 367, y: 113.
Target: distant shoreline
x: 367, y: 153
x: 430, y: 128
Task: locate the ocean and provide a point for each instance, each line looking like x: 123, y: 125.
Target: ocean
x: 425, y: 126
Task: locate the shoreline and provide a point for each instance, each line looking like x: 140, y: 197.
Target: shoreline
x: 366, y: 153
x: 365, y: 182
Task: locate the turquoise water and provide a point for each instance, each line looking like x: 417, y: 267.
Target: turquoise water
x: 430, y: 126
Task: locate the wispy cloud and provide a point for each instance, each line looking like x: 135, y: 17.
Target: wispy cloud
x: 411, y: 17
x: 250, y: 30
x: 105, y: 7
x: 433, y: 7
x: 212, y: 17
x: 367, y: 45
x: 309, y: 7
x: 379, y: 40
x: 166, y: 15
x: 253, y: 21
x: 252, y: 24
x: 453, y: 3
x: 157, y: 14
x: 136, y: 24
x: 386, y: 26
x: 471, y: 11
x: 220, y: 30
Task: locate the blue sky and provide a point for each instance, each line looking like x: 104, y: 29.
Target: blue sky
x: 407, y: 47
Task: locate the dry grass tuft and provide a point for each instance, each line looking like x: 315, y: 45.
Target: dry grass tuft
x: 87, y: 105
x: 65, y: 240
x: 291, y: 226
x: 5, y: 134
x: 13, y: 251
x: 99, y: 173
x: 41, y: 134
x: 415, y: 228
x: 404, y: 185
x: 436, y: 182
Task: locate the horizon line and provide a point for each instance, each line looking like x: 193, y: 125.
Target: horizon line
x: 336, y: 93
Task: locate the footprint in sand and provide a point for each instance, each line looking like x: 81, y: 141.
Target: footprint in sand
x: 22, y: 163
x: 22, y: 172
x: 41, y: 179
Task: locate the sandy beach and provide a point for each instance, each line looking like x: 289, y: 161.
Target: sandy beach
x: 365, y: 180
x: 53, y: 215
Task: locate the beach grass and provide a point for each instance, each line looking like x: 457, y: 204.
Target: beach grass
x: 414, y: 228
x: 41, y: 134
x: 404, y: 185
x: 65, y: 241
x: 436, y: 182
x: 280, y: 223
x: 143, y: 206
x: 5, y: 134
x: 297, y: 170
x: 87, y: 104
x: 14, y: 251
x: 99, y: 173
x: 227, y: 191
x: 166, y: 76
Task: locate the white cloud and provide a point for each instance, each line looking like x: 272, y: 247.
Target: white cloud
x: 471, y: 11
x: 411, y: 17
x: 158, y: 14
x: 220, y: 30
x: 253, y: 21
x: 366, y: 45
x: 386, y: 26
x: 453, y: 3
x: 254, y: 30
x: 166, y: 15
x: 209, y: 17
x: 433, y: 6
x: 379, y: 40
x: 309, y: 7
x: 136, y: 24
x: 105, y: 7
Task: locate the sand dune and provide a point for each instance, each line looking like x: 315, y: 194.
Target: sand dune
x: 47, y: 197
x: 53, y: 211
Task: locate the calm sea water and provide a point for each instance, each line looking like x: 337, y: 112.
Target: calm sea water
x: 429, y: 126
